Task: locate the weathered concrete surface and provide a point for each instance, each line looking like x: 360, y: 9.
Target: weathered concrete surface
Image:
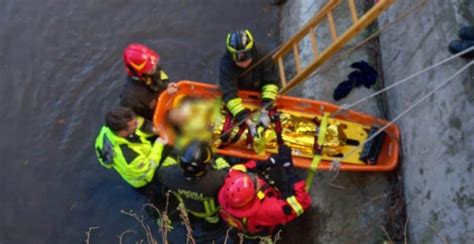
x: 356, y: 213
x: 438, y: 137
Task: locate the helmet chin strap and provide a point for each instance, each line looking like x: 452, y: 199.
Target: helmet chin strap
x: 195, y: 176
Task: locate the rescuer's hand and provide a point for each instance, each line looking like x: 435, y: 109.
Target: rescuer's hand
x: 284, y: 156
x: 243, y: 117
x: 163, y: 140
x: 264, y: 118
x: 172, y: 88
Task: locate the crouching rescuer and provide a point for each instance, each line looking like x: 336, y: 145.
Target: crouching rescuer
x: 235, y: 74
x: 258, y: 206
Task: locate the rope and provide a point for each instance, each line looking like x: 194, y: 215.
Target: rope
x: 350, y: 51
x: 337, y: 161
x: 346, y: 106
x: 366, y: 40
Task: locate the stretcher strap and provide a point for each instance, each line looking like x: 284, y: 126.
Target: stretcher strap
x: 226, y: 131
x: 275, y: 118
x: 318, y: 147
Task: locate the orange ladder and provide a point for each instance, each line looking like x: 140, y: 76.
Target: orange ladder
x: 338, y: 41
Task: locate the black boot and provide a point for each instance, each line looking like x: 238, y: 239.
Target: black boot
x: 458, y: 46
x: 467, y: 33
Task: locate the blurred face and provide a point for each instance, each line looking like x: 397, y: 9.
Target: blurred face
x: 244, y: 64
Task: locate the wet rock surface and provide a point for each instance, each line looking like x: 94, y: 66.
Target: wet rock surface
x: 349, y: 207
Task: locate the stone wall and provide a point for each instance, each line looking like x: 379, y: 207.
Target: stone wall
x: 438, y: 136
x: 349, y: 209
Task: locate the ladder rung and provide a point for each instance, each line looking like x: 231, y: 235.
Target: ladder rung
x: 314, y: 43
x: 363, y: 22
x: 296, y: 55
x: 286, y: 48
x: 353, y: 10
x: 332, y: 26
x: 281, y: 68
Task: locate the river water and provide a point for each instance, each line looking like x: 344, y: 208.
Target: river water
x: 61, y: 70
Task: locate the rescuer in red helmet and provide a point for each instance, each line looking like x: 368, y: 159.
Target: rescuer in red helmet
x: 256, y: 208
x: 145, y: 80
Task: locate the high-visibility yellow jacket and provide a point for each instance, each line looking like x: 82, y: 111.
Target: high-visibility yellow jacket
x: 135, y: 158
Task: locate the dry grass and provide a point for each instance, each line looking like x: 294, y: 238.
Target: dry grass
x: 183, y: 214
x: 88, y: 233
x: 123, y: 234
x: 146, y: 228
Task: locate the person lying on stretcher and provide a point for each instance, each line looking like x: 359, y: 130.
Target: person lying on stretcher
x: 207, y: 119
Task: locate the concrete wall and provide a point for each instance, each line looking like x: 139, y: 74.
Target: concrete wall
x: 349, y: 209
x: 438, y: 136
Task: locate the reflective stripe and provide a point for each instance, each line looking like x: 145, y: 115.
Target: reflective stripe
x: 295, y: 205
x: 212, y: 219
x: 212, y: 206
x: 210, y: 210
x: 239, y: 167
x: 220, y: 163
x: 270, y: 91
x: 235, y: 105
x: 163, y: 75
x: 207, y: 208
x: 233, y: 51
x: 169, y: 161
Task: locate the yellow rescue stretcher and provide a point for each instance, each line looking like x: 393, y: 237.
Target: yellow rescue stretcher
x: 195, y: 111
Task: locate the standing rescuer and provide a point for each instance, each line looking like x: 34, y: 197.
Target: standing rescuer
x: 195, y: 181
x: 127, y: 144
x: 145, y: 80
x: 241, y: 53
x: 256, y: 208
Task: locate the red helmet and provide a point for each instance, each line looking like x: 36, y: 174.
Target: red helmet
x: 238, y: 195
x: 139, y: 59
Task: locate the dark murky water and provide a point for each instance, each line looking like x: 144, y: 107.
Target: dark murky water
x: 61, y: 70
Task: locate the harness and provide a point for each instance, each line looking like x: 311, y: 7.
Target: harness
x: 230, y: 123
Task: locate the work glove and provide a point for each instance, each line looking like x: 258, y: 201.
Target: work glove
x: 243, y: 116
x: 256, y: 130
x: 264, y: 118
x: 263, y: 165
x: 283, y: 157
x: 267, y: 103
x: 286, y: 176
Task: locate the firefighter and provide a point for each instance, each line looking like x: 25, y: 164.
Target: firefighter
x: 195, y: 179
x: 256, y: 208
x: 242, y: 52
x: 127, y: 144
x: 145, y: 80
